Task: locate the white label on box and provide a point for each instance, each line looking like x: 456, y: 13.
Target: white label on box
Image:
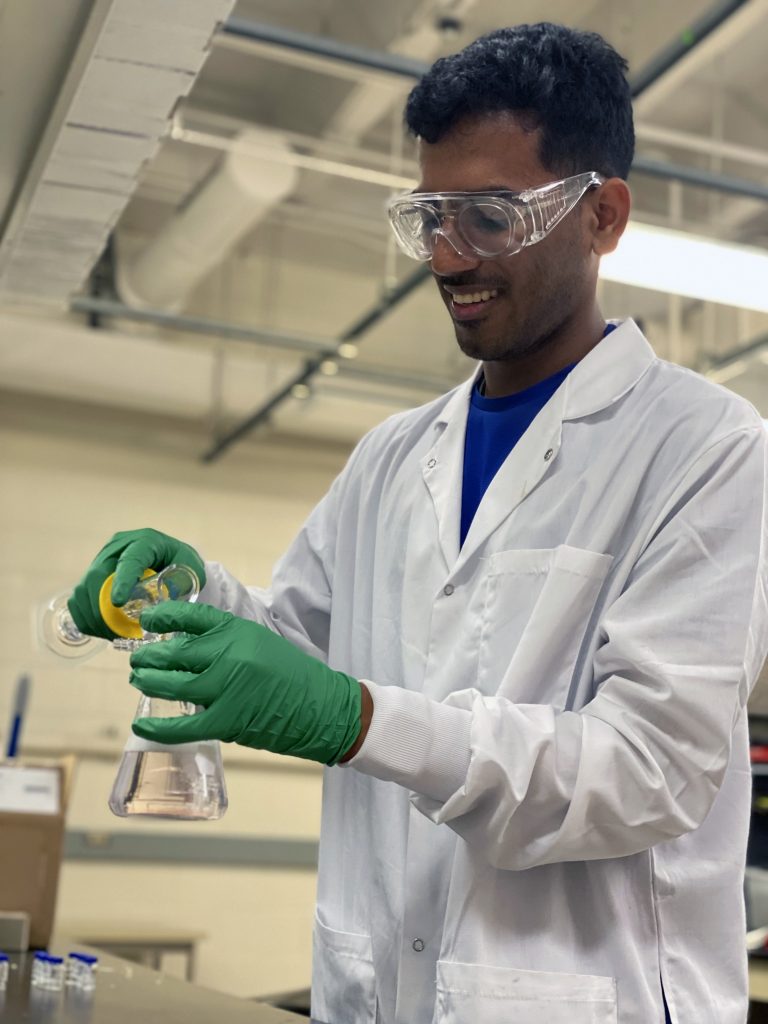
x: 29, y: 790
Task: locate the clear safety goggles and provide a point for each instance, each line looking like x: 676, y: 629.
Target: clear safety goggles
x: 486, y: 224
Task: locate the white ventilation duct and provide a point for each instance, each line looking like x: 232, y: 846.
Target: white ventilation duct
x: 240, y: 193
x: 134, y: 60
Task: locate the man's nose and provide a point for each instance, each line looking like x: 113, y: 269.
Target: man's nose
x: 446, y: 259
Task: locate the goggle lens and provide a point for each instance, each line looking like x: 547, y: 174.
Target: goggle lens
x: 489, y: 228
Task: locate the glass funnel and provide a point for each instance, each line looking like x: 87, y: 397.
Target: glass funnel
x: 60, y: 635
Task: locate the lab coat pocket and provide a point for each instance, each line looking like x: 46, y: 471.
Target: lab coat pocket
x: 471, y: 993
x: 343, y: 982
x: 537, y: 607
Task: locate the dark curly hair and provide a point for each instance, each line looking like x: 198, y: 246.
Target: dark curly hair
x: 570, y: 84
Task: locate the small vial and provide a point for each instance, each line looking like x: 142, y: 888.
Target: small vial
x: 81, y: 971
x: 3, y: 971
x: 48, y: 972
x: 39, y: 970
x: 72, y: 972
x: 90, y: 965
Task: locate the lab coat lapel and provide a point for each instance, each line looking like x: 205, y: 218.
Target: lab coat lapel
x: 443, y: 467
x: 603, y: 375
x: 528, y: 462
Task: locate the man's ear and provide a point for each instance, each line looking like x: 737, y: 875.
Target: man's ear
x: 611, y: 205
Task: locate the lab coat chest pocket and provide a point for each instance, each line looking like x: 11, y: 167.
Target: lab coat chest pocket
x: 342, y: 975
x: 471, y: 993
x: 538, y: 603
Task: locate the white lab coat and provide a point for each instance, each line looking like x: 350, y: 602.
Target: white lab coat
x: 550, y: 812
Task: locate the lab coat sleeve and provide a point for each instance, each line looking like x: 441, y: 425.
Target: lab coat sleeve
x: 679, y: 651
x: 297, y: 605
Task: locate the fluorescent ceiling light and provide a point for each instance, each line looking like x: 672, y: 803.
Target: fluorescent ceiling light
x: 690, y: 265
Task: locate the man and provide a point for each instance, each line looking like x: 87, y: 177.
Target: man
x: 526, y: 617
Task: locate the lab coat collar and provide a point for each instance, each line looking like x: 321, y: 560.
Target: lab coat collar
x: 606, y: 373
x: 602, y: 377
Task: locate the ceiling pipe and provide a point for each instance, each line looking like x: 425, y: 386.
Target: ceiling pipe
x: 683, y: 44
x: 700, y: 177
x: 711, y: 367
x: 704, y: 144
x: 318, y: 350
x: 200, y: 325
x: 733, y: 22
x: 330, y: 50
x: 311, y: 367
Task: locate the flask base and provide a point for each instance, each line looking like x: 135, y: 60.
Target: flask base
x: 182, y: 784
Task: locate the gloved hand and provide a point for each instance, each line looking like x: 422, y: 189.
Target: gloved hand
x: 127, y: 554
x: 257, y: 688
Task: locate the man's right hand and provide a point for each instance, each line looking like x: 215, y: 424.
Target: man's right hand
x: 126, y: 555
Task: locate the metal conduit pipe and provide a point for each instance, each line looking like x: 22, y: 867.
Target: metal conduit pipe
x: 683, y: 43
x: 316, y: 348
x: 324, y: 47
x: 312, y: 366
x: 200, y: 325
x: 698, y: 176
x: 759, y: 344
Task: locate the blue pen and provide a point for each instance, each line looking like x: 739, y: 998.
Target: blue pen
x: 17, y: 717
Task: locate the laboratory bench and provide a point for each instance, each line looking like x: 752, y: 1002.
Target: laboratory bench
x: 125, y: 993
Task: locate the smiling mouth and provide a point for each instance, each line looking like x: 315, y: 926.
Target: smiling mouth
x: 469, y: 305
x: 475, y: 297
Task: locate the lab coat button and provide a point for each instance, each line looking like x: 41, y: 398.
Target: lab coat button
x: 448, y: 589
x: 548, y: 454
x: 418, y: 945
x: 432, y: 463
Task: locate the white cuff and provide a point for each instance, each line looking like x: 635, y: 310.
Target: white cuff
x: 415, y: 742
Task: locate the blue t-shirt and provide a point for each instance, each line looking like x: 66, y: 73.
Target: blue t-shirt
x: 494, y: 426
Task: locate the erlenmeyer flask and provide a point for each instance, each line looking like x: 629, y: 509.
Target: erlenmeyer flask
x: 183, y: 780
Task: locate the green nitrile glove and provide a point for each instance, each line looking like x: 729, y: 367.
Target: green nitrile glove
x: 257, y: 688
x: 127, y: 555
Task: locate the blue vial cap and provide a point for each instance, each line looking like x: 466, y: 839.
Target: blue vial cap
x: 3, y: 958
x: 84, y: 958
x: 55, y: 959
x: 42, y: 957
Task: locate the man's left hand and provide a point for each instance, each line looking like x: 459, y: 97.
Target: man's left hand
x: 256, y: 688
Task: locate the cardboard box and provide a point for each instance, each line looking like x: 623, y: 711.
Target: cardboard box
x: 33, y: 802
